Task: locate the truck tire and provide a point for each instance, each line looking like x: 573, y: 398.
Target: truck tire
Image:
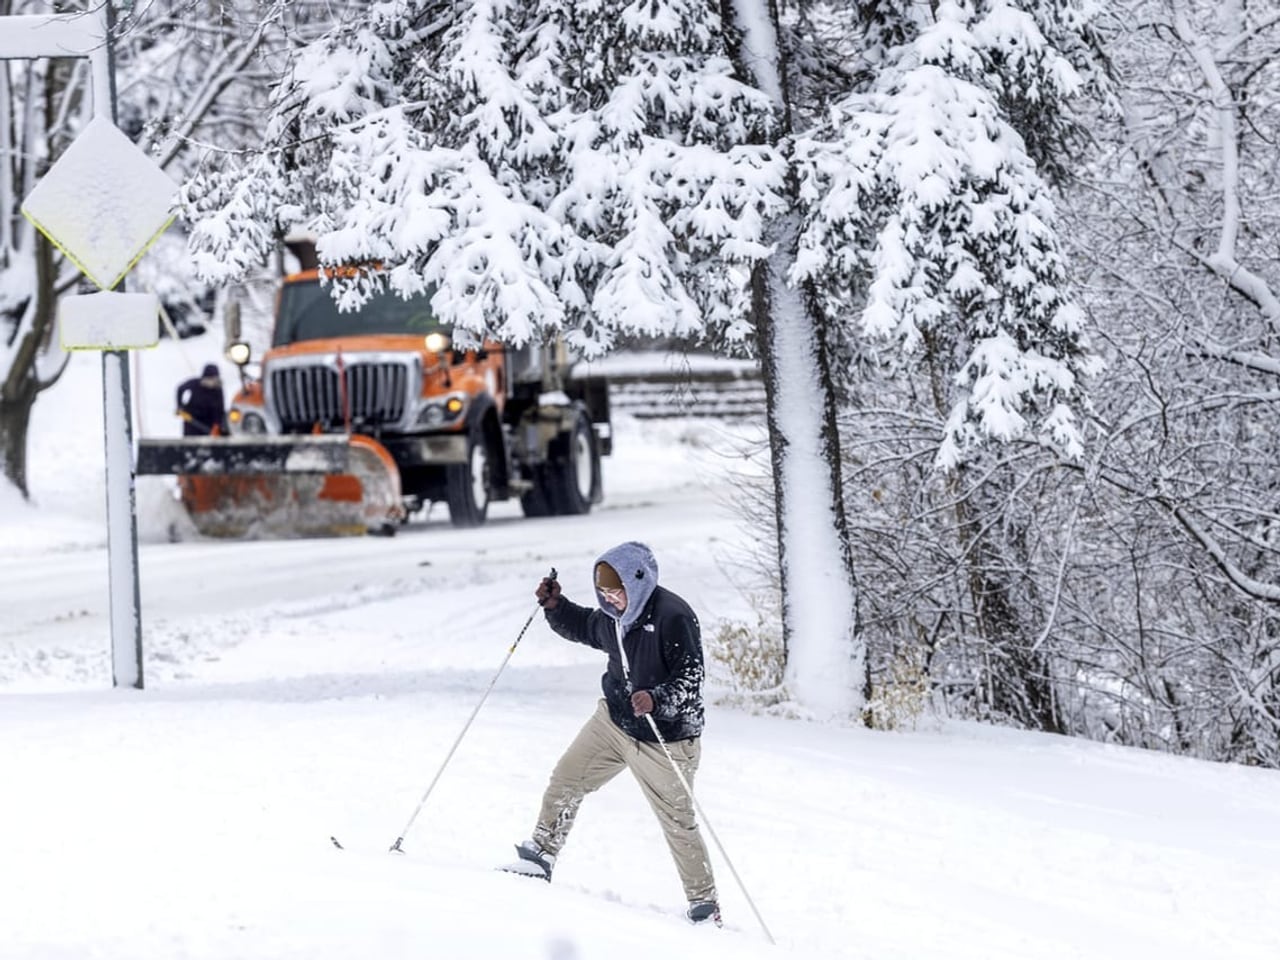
x: 537, y: 502
x: 469, y: 485
x: 574, y: 481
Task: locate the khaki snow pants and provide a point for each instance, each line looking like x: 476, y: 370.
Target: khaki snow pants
x: 596, y: 756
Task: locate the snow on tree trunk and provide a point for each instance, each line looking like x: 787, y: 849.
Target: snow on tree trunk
x: 825, y: 668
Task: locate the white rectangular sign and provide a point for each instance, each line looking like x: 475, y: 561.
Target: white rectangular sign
x: 109, y: 321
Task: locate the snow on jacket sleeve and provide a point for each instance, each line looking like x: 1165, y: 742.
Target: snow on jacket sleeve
x: 678, y: 699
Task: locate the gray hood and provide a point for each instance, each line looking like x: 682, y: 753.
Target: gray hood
x: 638, y: 570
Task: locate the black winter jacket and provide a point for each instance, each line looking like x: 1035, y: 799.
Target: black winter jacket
x: 203, y: 400
x: 664, y: 649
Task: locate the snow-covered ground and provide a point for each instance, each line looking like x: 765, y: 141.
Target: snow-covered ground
x: 298, y: 690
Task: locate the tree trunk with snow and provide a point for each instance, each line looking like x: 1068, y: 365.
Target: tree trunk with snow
x: 825, y: 664
x: 825, y: 660
x: 1015, y: 680
x: 21, y: 382
x: 19, y: 304
x: 15, y: 418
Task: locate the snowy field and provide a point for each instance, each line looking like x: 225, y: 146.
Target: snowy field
x: 298, y: 690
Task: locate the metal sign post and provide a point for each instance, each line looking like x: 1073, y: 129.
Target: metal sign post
x: 101, y: 242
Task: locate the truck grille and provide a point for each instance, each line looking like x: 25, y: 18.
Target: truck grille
x: 306, y: 395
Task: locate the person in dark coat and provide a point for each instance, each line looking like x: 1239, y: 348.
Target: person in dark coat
x: 653, y: 682
x: 201, y: 404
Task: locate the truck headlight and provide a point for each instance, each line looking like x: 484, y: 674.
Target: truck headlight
x: 442, y: 410
x: 239, y: 353
x: 247, y: 422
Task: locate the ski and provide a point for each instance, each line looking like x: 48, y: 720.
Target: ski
x: 525, y: 868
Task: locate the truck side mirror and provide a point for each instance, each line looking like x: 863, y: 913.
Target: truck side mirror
x: 231, y: 321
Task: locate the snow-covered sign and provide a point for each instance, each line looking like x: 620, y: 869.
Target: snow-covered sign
x: 103, y: 203
x: 42, y: 35
x: 109, y: 321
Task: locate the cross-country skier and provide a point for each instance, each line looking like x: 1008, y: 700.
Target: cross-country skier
x: 657, y: 672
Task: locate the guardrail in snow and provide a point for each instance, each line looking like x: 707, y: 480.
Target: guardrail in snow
x: 689, y: 393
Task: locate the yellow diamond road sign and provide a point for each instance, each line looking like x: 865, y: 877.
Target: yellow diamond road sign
x: 103, y: 203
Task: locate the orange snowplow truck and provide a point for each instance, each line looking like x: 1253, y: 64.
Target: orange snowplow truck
x: 355, y: 420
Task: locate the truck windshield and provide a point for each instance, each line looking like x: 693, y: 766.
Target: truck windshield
x: 307, y: 312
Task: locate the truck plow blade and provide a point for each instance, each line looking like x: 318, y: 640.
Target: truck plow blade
x: 242, y: 456
x: 280, y: 487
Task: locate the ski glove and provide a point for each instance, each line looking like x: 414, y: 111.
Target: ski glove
x: 548, y: 593
x: 642, y: 702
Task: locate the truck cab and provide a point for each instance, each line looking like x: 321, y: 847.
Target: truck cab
x: 464, y: 426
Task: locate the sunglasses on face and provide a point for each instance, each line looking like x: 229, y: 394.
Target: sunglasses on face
x: 613, y: 595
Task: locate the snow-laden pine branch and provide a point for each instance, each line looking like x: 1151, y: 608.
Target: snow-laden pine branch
x: 590, y: 169
x: 927, y: 190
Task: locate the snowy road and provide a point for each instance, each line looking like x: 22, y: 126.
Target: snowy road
x: 56, y: 603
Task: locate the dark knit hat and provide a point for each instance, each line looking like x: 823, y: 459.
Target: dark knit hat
x: 607, y: 577
x: 209, y: 370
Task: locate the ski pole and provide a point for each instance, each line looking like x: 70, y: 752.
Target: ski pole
x: 626, y: 675
x: 395, y: 847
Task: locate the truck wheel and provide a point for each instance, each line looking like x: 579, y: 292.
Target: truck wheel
x: 468, y: 484
x: 537, y: 502
x: 575, y: 480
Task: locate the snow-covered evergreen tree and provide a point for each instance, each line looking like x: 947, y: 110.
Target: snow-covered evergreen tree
x: 929, y: 218
x: 588, y: 168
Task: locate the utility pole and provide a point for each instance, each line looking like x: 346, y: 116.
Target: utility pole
x: 122, y: 500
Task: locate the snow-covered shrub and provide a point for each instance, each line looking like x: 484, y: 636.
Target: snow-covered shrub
x: 900, y: 697
x: 751, y: 658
